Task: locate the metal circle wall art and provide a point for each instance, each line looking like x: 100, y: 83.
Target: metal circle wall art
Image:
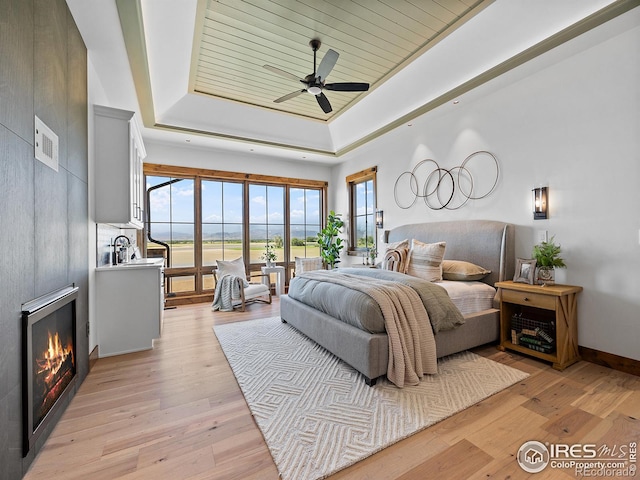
x: 442, y: 188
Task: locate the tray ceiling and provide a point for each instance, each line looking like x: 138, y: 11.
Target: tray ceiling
x: 235, y: 39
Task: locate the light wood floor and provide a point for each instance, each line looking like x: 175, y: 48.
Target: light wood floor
x: 176, y: 412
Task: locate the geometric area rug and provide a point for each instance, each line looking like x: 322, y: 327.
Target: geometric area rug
x: 316, y: 413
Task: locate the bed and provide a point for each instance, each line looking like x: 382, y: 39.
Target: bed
x: 489, y: 244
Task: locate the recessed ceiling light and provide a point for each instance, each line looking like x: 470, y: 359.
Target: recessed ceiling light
x: 456, y: 102
x: 409, y: 124
x: 188, y: 140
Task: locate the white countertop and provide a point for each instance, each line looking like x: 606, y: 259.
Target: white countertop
x: 139, y: 263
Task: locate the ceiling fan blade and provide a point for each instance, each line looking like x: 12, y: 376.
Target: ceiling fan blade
x: 289, y: 96
x: 282, y: 73
x: 323, y: 101
x: 326, y: 65
x: 347, y: 87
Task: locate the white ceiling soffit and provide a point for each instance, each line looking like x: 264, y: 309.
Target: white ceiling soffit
x: 163, y: 43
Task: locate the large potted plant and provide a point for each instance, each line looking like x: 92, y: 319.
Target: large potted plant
x: 329, y: 240
x: 547, y: 255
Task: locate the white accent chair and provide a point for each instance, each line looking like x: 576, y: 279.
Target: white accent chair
x: 249, y: 292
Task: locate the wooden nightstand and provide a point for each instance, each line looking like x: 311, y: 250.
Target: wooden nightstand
x: 554, y: 304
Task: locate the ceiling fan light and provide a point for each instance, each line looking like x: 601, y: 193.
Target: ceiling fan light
x: 314, y: 90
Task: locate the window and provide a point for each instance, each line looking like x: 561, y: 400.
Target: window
x: 172, y: 227
x: 266, y: 221
x: 222, y: 221
x: 305, y: 209
x: 362, y: 196
x: 198, y: 216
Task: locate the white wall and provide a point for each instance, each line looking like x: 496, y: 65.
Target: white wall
x: 196, y: 157
x: 570, y: 120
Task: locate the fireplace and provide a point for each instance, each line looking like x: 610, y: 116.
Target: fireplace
x: 48, y: 359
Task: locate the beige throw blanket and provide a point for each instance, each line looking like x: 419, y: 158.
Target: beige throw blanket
x: 412, y: 347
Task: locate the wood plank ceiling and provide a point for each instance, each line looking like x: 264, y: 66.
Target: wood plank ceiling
x: 375, y: 38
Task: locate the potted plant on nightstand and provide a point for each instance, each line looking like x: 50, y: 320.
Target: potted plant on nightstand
x: 329, y: 241
x: 547, y: 255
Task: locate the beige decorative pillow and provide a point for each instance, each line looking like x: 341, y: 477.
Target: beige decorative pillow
x: 307, y: 264
x: 396, y: 259
x: 425, y: 260
x: 463, y: 271
x: 232, y: 267
x: 396, y: 256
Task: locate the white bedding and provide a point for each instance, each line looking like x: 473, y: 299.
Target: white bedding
x: 469, y: 297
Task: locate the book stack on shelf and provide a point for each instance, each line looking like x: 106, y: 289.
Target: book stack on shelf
x: 536, y: 335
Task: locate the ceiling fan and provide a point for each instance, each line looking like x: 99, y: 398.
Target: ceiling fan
x: 315, y: 82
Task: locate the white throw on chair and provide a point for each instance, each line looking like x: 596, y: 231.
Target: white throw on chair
x: 233, y: 290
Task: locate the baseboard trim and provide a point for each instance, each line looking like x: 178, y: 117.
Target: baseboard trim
x: 616, y: 362
x: 93, y: 356
x: 188, y: 299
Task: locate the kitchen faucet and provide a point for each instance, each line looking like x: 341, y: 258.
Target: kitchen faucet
x: 115, y: 246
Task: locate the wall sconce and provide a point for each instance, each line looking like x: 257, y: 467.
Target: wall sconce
x: 379, y: 219
x: 540, y: 203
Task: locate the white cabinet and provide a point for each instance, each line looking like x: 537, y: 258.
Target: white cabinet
x: 129, y: 307
x: 119, y: 183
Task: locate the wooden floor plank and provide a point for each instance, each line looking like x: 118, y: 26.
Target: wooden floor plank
x: 507, y: 434
x: 449, y: 463
x: 554, y: 398
x: 176, y: 412
x: 571, y: 424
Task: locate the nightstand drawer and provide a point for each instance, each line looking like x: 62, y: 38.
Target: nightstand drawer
x: 537, y: 300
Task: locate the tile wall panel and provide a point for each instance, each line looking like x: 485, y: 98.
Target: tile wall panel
x: 14, y: 467
x: 16, y: 286
x: 50, y: 69
x: 52, y: 236
x: 16, y: 74
x: 77, y: 103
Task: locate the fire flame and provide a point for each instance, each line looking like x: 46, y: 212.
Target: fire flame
x: 53, y: 358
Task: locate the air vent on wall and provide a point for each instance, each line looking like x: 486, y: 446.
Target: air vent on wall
x: 46, y: 145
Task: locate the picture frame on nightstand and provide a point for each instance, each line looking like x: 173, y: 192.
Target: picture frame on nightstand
x: 525, y: 270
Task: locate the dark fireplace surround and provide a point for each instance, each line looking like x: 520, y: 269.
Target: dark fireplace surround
x: 48, y: 360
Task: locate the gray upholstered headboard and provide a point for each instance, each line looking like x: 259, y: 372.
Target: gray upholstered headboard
x: 487, y: 243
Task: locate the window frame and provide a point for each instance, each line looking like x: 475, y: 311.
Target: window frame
x: 198, y: 174
x: 353, y: 181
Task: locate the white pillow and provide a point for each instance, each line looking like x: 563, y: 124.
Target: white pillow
x: 307, y: 264
x: 425, y: 260
x: 234, y: 268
